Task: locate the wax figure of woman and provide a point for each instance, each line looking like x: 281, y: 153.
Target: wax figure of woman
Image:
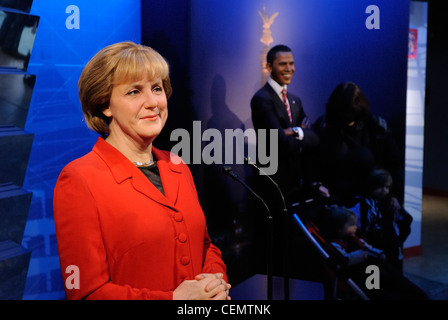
x: 127, y: 215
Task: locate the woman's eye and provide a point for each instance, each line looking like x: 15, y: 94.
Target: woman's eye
x: 133, y: 92
x: 158, y: 89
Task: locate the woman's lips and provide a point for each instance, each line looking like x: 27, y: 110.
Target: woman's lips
x: 151, y: 118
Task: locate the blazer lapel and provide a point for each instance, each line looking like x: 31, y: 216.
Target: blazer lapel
x: 294, y: 107
x: 279, y: 105
x: 141, y: 183
x: 122, y: 169
x: 170, y: 175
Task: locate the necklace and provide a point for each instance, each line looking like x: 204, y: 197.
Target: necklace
x: 143, y: 164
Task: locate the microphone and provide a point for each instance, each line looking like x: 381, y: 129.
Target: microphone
x: 247, y: 161
x: 228, y: 171
x: 285, y: 227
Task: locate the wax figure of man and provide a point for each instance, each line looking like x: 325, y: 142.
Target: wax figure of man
x: 274, y: 107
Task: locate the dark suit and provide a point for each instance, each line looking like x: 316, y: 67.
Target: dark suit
x: 269, y: 112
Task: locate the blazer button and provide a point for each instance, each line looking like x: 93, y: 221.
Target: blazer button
x: 178, y: 217
x: 182, y: 237
x: 185, y: 260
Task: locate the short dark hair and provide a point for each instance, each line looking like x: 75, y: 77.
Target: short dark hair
x: 272, y: 53
x: 338, y: 216
x: 378, y: 178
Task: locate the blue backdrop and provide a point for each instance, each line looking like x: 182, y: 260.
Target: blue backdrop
x: 330, y: 41
x: 55, y: 118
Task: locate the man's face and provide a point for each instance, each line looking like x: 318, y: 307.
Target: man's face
x: 282, y: 68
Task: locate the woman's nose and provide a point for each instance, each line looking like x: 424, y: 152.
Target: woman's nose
x: 150, y: 100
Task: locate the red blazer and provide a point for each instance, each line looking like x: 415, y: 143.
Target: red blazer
x: 127, y: 239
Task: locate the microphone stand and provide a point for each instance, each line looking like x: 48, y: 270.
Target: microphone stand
x: 285, y: 228
x: 228, y: 171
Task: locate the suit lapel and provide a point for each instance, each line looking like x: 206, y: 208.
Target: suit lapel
x: 170, y: 175
x: 279, y: 105
x: 122, y: 169
x: 294, y: 107
x: 141, y: 183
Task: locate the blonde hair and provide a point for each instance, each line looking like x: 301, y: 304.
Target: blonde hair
x: 118, y: 63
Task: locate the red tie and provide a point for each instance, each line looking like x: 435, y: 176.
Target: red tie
x: 285, y: 101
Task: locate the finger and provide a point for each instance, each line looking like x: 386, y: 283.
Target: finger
x: 221, y: 282
x: 213, y: 284
x: 204, y: 275
x: 216, y: 283
x: 201, y: 276
x: 228, y: 297
x: 220, y: 296
x: 221, y: 288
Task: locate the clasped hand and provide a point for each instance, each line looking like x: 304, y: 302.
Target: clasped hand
x: 205, y: 286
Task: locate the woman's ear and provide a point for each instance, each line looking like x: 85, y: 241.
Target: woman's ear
x: 107, y: 112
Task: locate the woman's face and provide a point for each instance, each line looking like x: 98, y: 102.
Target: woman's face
x: 138, y: 110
